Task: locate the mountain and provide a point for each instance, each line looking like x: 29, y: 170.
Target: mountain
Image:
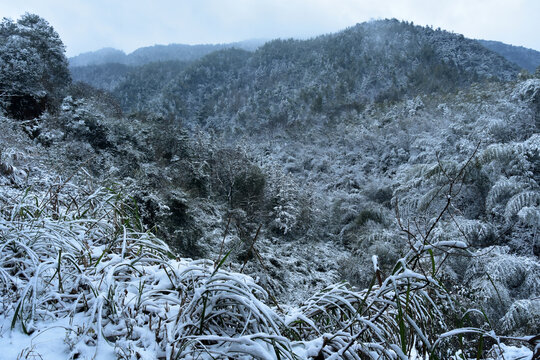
x: 291, y: 81
x: 155, y: 53
x: 329, y: 198
x: 527, y: 59
x: 294, y: 80
x: 182, y: 52
x: 102, y: 56
x: 105, y: 76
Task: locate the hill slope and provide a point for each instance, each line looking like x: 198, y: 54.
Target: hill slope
x: 288, y: 81
x: 291, y: 81
x: 528, y: 59
x: 400, y: 160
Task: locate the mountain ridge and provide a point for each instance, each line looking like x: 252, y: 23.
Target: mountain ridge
x: 295, y: 80
x: 292, y: 80
x: 158, y: 52
x: 528, y: 59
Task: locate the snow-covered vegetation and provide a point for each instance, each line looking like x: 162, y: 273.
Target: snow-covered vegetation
x: 373, y: 193
x: 528, y: 59
x: 82, y: 254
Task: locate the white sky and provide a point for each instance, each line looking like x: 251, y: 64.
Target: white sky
x: 86, y: 25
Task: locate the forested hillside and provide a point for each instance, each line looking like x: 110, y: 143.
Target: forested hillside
x: 368, y: 194
x: 296, y: 81
x: 527, y: 59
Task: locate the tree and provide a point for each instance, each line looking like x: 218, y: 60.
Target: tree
x: 33, y: 68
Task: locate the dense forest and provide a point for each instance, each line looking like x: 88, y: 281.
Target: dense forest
x: 368, y: 194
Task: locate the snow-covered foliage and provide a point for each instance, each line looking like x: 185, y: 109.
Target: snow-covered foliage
x: 505, y: 283
x: 367, y: 156
x: 33, y: 67
x: 369, y: 62
x: 85, y: 257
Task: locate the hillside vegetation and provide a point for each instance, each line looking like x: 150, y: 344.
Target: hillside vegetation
x: 369, y: 194
x: 292, y: 81
x: 527, y: 59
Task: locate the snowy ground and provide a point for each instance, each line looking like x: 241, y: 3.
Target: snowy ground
x: 49, y: 342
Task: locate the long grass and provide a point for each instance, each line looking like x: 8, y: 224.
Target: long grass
x: 63, y: 255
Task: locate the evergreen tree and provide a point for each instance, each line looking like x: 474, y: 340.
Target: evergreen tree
x: 33, y: 68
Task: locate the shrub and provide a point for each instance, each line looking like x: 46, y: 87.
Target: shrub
x: 248, y: 188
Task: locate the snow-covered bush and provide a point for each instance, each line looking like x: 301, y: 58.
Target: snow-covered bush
x: 12, y: 167
x: 285, y: 203
x: 528, y: 90
x: 504, y: 283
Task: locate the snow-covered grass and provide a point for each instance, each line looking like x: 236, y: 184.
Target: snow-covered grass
x: 79, y: 278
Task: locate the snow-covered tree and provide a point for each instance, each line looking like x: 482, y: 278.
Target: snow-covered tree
x: 33, y: 67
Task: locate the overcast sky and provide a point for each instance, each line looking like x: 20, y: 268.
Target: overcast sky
x: 87, y: 25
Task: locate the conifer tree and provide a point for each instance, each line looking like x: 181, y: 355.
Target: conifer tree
x: 33, y: 68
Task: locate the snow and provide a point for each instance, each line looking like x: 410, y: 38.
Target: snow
x: 327, y: 214
x: 49, y: 342
x: 507, y: 352
x: 374, y: 260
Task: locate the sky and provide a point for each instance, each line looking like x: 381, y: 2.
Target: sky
x: 88, y: 25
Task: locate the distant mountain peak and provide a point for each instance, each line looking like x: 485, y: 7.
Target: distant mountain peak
x: 101, y: 56
x: 158, y: 52
x: 372, y: 62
